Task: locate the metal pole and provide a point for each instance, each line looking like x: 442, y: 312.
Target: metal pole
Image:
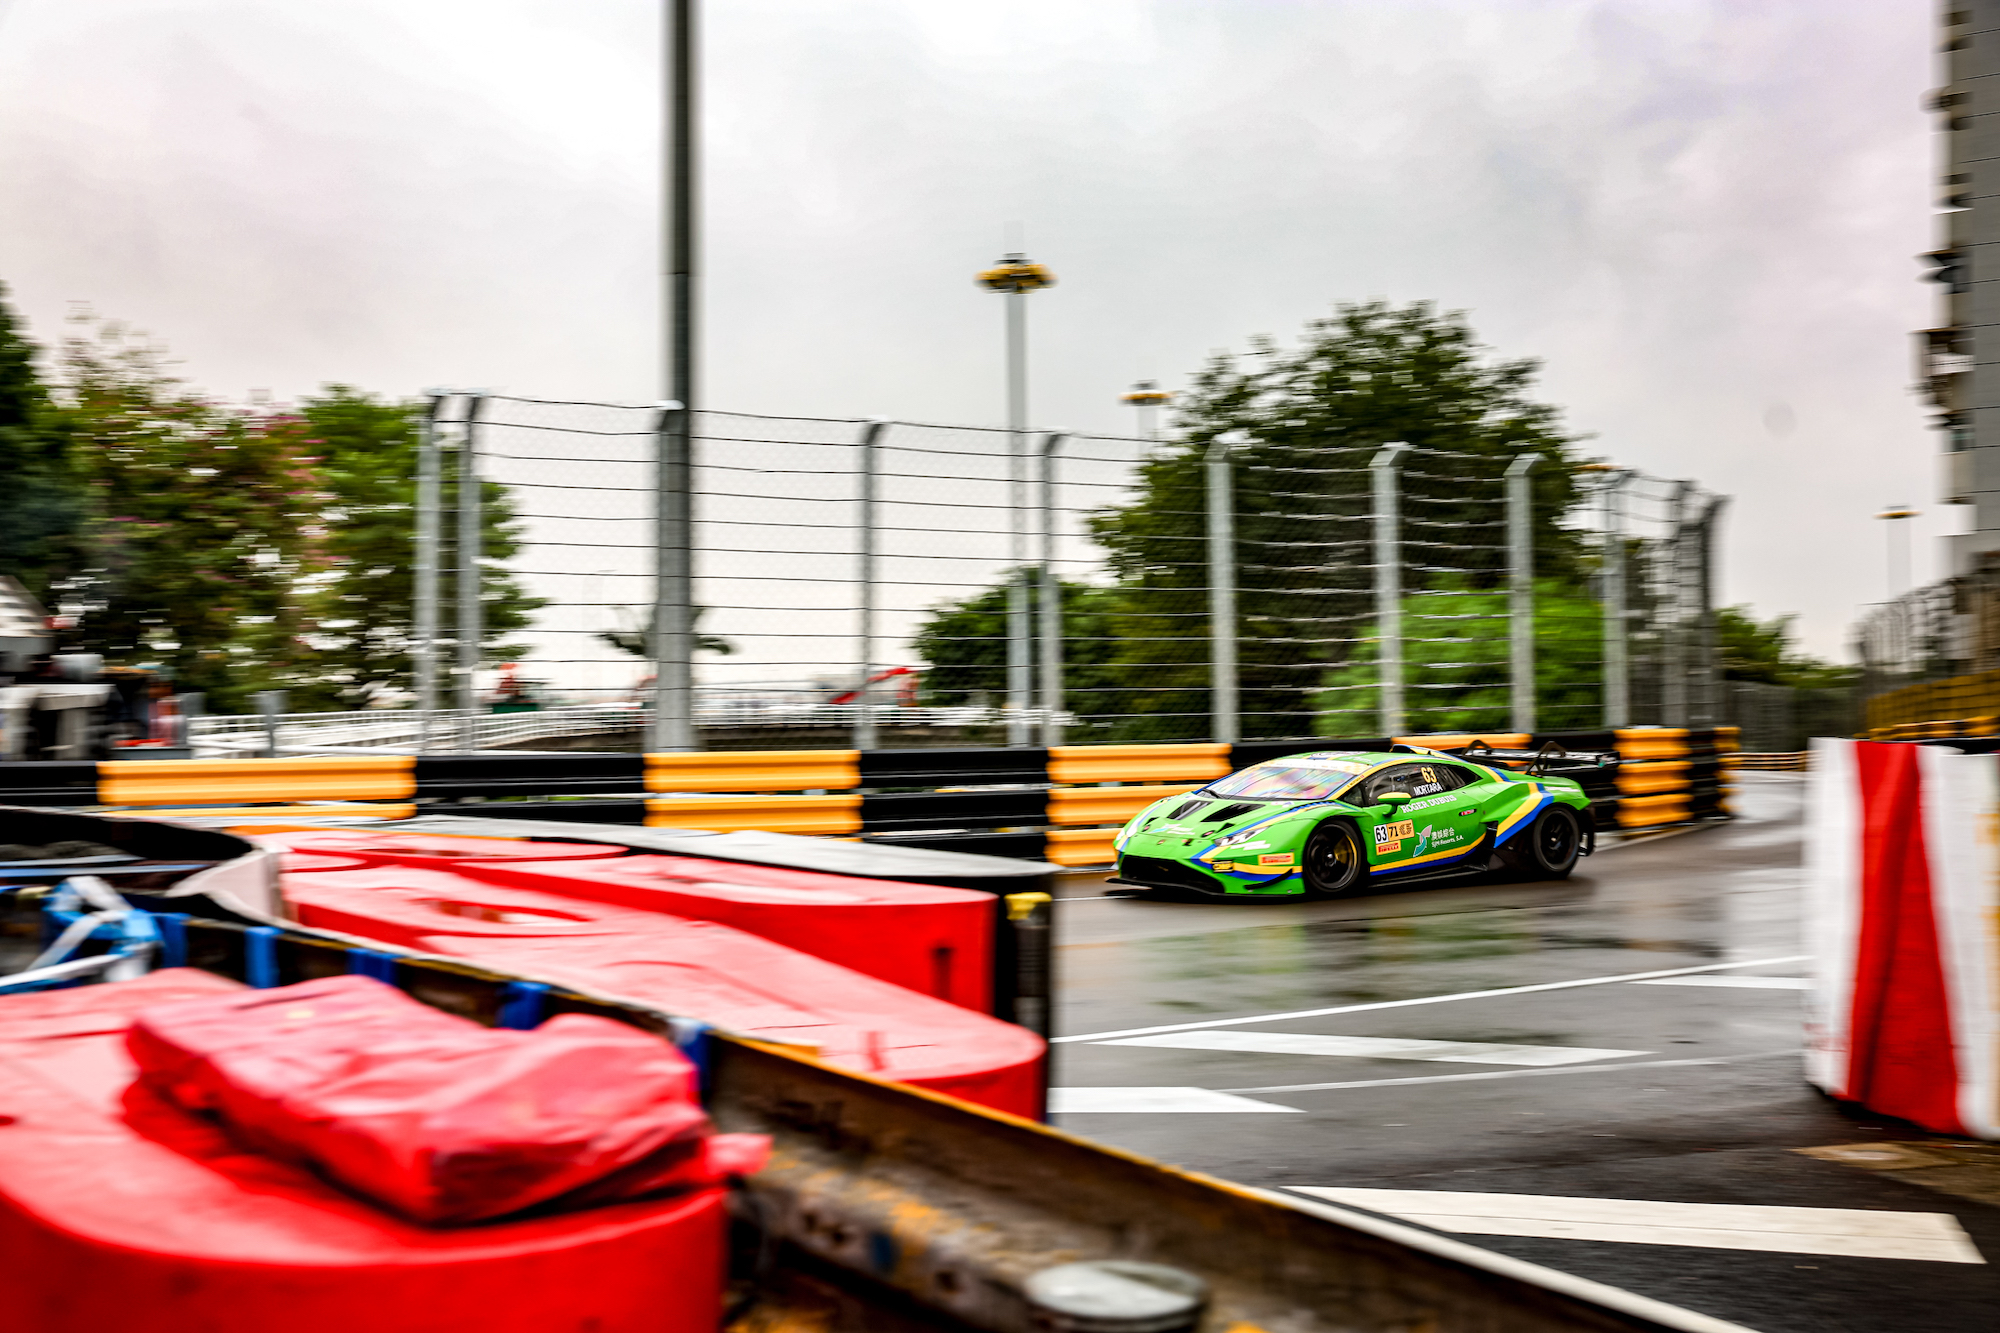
x: 1019, y: 668
x: 1617, y: 660
x: 471, y: 545
x: 271, y: 705
x: 1388, y: 584
x: 673, y: 557
x: 1521, y: 591
x: 1711, y: 666
x: 1052, y: 612
x: 673, y: 584
x: 1673, y: 676
x: 1224, y: 721
x: 424, y: 632
x: 864, y: 713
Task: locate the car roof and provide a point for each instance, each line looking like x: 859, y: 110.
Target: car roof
x: 1352, y: 757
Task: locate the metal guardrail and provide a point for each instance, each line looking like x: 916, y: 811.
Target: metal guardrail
x: 1062, y: 804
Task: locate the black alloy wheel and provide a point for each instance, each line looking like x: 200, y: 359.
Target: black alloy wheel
x: 1554, y: 842
x: 1333, y: 861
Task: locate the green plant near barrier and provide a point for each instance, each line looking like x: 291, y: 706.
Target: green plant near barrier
x: 1455, y: 665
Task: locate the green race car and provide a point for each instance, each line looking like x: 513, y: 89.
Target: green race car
x: 1332, y: 821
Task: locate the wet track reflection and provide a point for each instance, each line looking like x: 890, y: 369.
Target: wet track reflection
x: 1199, y: 1033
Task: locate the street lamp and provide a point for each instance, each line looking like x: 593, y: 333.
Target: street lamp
x: 1148, y: 397
x: 1898, y: 548
x: 1016, y: 277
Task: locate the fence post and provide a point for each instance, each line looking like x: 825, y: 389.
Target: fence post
x: 1388, y: 584
x: 1521, y: 591
x: 1052, y: 611
x: 1711, y: 668
x: 1222, y: 707
x: 864, y: 714
x: 1019, y: 650
x: 270, y: 705
x: 1617, y: 662
x: 471, y: 545
x: 673, y: 581
x: 424, y: 632
x: 1674, y: 670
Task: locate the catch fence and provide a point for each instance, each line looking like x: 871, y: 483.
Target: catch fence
x: 875, y: 580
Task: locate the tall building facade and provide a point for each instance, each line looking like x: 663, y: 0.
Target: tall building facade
x: 1959, y: 359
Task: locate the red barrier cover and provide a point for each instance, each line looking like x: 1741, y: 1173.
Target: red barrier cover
x: 1903, y: 865
x: 430, y: 849
x: 120, y: 1209
x: 698, y: 969
x: 426, y: 1113
x: 936, y: 941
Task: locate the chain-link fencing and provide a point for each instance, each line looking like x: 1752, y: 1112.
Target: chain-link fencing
x: 893, y: 583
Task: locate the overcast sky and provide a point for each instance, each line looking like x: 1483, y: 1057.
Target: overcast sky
x: 1700, y: 214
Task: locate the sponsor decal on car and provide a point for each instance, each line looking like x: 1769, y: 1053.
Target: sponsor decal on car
x: 1402, y: 828
x: 1275, y: 859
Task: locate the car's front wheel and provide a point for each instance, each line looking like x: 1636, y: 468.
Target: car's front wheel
x: 1554, y: 842
x: 1333, y: 862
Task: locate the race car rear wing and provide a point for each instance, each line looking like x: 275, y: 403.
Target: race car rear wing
x: 1551, y: 760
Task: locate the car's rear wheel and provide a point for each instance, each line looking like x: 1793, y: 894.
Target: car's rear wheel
x: 1554, y: 841
x: 1333, y: 862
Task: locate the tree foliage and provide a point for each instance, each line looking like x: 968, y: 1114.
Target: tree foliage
x: 1315, y: 415
x: 360, y: 603
x: 1463, y: 682
x: 42, y: 498
x: 965, y: 643
x: 1763, y: 651
x: 200, y: 520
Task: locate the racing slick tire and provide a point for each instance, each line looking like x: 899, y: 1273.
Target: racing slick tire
x: 1554, y: 841
x: 1333, y: 862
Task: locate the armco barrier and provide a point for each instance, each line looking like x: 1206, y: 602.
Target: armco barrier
x: 1062, y: 804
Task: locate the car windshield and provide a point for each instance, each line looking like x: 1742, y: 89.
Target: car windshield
x: 1288, y: 781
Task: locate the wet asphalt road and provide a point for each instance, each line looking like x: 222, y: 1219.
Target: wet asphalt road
x: 1628, y: 1090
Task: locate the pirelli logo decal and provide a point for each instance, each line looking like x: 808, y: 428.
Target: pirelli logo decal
x: 1389, y: 837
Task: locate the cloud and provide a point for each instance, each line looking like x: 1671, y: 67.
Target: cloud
x: 1695, y: 212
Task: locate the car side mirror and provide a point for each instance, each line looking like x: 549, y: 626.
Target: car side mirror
x: 1392, y: 799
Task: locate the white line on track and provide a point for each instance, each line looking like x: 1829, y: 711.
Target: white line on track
x: 1432, y: 999
x: 1734, y: 983
x: 1521, y: 1073
x: 1377, y: 1048
x: 1153, y: 1101
x: 1854, y: 1232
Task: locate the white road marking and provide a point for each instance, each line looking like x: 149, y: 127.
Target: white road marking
x: 1376, y: 1048
x: 1737, y: 983
x: 1788, y: 1053
x: 1430, y: 999
x: 1854, y: 1232
x: 1147, y: 1101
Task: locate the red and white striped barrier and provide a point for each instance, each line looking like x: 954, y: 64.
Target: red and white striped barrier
x: 1903, y: 921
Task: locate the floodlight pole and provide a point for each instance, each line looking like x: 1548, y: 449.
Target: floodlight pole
x: 1674, y: 675
x: 1388, y: 584
x: 1521, y: 591
x: 673, y: 558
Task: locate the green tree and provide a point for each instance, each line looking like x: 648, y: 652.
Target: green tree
x: 42, y: 499
x: 638, y: 640
x: 965, y: 645
x: 1763, y: 651
x: 1315, y: 416
x: 200, y: 520
x: 1463, y: 682
x: 360, y: 605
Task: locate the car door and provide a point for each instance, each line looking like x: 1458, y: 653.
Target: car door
x: 1434, y: 827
